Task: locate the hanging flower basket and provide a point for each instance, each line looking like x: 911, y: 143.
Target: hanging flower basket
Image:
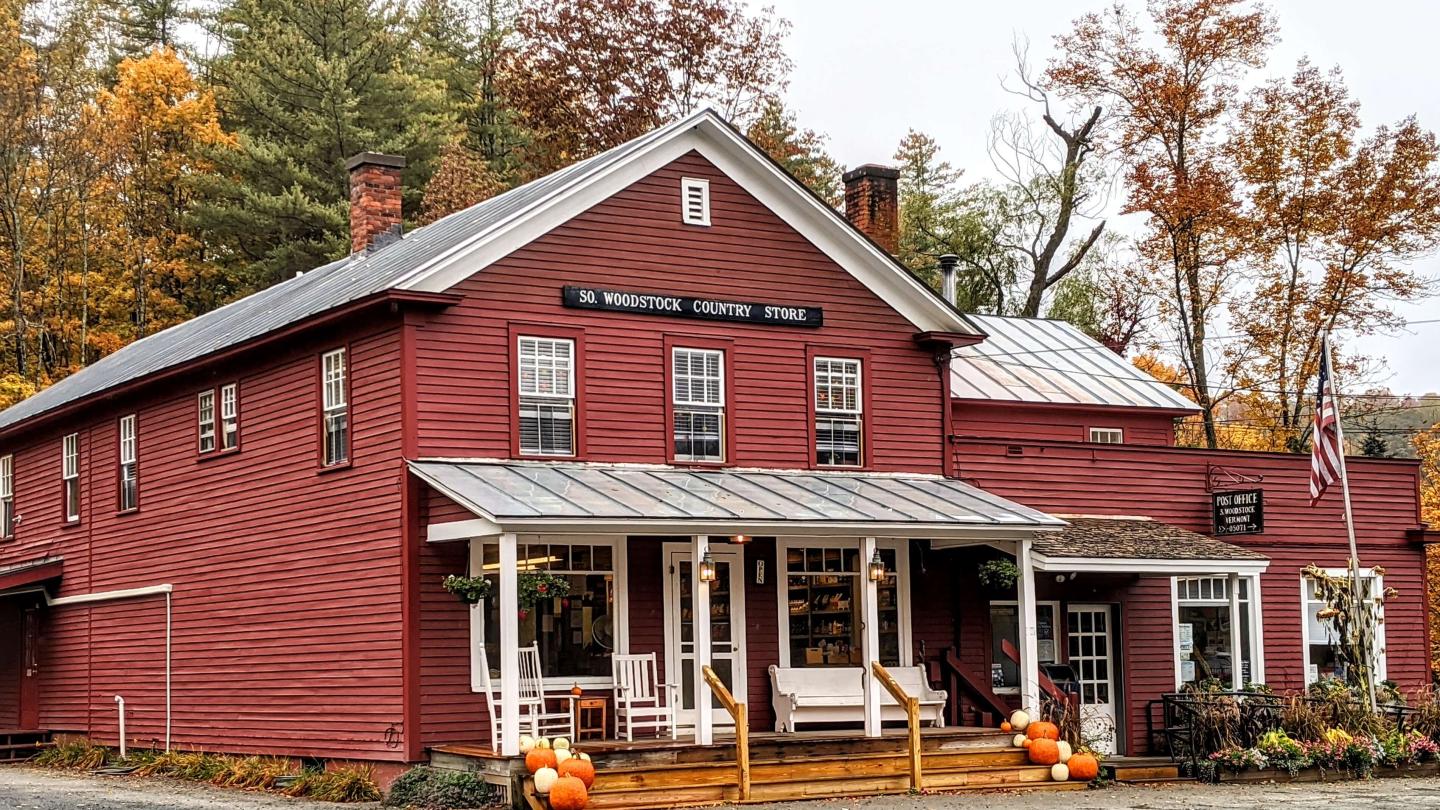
x: 469, y: 590
x: 537, y: 586
x: 999, y: 575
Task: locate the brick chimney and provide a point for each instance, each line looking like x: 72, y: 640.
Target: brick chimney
x: 872, y: 203
x: 375, y: 191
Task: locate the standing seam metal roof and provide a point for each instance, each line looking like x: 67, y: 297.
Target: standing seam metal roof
x: 1048, y: 361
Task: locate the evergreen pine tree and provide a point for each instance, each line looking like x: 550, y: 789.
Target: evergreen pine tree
x: 1374, y: 444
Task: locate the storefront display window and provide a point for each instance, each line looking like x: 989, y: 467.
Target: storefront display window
x: 1322, y: 658
x: 823, y: 602
x: 1203, y: 635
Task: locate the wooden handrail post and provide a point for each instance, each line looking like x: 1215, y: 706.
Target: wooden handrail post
x: 912, y: 720
x: 741, y: 717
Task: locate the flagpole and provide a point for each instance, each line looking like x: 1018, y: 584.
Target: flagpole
x: 1367, y: 667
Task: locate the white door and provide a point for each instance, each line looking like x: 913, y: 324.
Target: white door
x: 1091, y: 645
x: 727, y: 626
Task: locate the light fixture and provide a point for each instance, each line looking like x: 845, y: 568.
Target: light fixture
x: 877, y: 568
x: 740, y: 539
x: 707, y: 568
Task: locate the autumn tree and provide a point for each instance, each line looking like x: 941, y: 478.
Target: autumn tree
x: 462, y: 178
x: 591, y: 74
x: 1169, y: 102
x: 1110, y: 295
x: 800, y: 151
x: 1427, y: 448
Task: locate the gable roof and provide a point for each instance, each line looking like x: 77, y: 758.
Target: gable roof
x: 1049, y: 361
x: 439, y: 255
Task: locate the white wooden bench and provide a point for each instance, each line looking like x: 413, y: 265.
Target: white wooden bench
x: 837, y: 695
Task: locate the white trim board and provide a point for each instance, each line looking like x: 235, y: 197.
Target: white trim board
x: 1120, y: 565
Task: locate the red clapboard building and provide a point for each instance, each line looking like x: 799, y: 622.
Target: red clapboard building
x: 665, y: 382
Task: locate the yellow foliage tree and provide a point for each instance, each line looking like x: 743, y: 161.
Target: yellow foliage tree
x: 1243, y: 422
x: 1427, y: 449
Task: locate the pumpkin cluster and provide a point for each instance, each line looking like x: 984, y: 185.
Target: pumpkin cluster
x: 560, y: 774
x: 1041, y: 740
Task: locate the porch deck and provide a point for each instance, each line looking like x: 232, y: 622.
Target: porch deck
x: 657, y: 773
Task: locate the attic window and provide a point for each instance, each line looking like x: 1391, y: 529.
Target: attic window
x: 695, y: 201
x: 1107, y: 435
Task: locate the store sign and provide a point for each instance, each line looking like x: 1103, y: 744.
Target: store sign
x: 1239, y: 512
x: 677, y: 306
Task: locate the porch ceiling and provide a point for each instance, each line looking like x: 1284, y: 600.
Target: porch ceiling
x: 639, y: 499
x: 1139, y: 545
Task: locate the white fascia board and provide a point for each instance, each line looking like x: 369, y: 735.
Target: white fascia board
x: 765, y: 528
x: 452, y: 530
x: 1118, y: 565
x: 818, y: 223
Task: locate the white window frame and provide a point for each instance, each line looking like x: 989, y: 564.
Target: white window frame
x: 334, y: 404
x: 206, y: 440
x: 900, y: 546
x: 618, y: 559
x: 229, y: 421
x: 706, y: 404
x: 858, y: 411
x: 129, y: 467
x: 694, y: 186
x: 1107, y: 435
x: 7, y: 497
x: 546, y: 385
x: 70, y: 475
x: 1377, y: 588
x: 1057, y: 618
x: 1256, y: 623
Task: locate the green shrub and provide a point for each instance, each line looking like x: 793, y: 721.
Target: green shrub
x: 76, y: 755
x: 425, y: 788
x: 348, y: 784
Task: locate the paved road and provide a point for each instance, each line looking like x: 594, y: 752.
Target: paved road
x: 24, y: 788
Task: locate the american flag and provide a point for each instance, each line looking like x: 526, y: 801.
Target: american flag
x: 1326, y: 452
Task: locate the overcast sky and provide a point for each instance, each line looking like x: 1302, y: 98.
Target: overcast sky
x: 865, y: 71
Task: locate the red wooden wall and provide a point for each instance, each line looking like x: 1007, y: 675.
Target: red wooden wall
x: 1037, y: 422
x: 11, y: 646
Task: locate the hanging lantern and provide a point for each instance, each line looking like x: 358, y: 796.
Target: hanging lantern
x: 740, y: 539
x: 877, y: 568
x: 707, y: 568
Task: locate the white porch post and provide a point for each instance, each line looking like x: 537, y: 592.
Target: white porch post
x: 700, y: 624
x: 1237, y: 679
x: 509, y: 645
x: 1029, y: 632
x: 869, y: 637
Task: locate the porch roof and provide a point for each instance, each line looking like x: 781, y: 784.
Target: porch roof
x: 638, y: 499
x: 1125, y: 544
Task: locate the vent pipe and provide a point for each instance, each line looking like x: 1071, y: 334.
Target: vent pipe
x: 949, y: 265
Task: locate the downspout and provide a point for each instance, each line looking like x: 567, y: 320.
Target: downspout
x: 129, y: 593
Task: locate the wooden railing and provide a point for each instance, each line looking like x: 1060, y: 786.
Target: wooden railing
x: 1046, y: 685
x: 959, y: 679
x: 912, y: 719
x: 741, y: 717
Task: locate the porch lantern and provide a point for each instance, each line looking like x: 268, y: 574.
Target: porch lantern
x: 740, y: 539
x: 707, y: 568
x: 877, y: 568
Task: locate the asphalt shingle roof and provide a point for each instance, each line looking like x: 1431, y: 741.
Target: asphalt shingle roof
x: 1135, y: 538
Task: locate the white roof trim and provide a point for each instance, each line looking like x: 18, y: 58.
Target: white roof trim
x: 1115, y: 565
x: 707, y: 134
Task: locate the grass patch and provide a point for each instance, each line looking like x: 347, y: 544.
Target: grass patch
x: 425, y: 788
x: 351, y: 783
x: 253, y: 773
x: 73, y: 755
x: 192, y: 765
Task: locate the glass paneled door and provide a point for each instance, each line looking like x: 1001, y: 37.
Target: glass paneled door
x: 1091, y: 648
x: 727, y: 625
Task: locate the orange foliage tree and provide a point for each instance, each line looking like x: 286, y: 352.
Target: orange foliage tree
x: 1427, y: 448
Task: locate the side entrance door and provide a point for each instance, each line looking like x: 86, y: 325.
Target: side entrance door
x: 30, y: 668
x: 727, y: 625
x: 1091, y: 646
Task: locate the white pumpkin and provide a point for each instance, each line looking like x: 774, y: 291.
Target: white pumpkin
x: 1060, y: 772
x: 542, y: 742
x: 1018, y: 740
x: 562, y: 754
x: 545, y: 779
x: 1019, y: 720
x: 583, y: 755
x: 1065, y: 751
x: 559, y: 742
x: 526, y: 743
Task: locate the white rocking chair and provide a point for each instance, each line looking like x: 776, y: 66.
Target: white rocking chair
x: 641, y: 701
x: 534, y: 717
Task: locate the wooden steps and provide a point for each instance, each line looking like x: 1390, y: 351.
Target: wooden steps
x: 1143, y: 770
x: 18, y: 745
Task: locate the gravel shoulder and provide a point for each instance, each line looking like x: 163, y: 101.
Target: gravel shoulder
x: 24, y: 788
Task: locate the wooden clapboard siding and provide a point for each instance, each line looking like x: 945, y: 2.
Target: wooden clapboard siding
x: 636, y: 241
x: 1062, y: 423
x: 449, y: 709
x: 287, y: 626
x: 12, y: 641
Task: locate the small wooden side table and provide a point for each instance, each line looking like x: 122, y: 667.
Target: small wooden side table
x: 590, y: 718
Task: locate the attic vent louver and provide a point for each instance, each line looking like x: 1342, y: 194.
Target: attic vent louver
x: 695, y: 201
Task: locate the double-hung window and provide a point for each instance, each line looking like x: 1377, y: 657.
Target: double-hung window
x: 205, y: 415
x: 335, y: 409
x: 839, y: 422
x: 128, y: 483
x: 547, y: 396
x: 698, y: 404
x: 1322, y: 639
x: 229, y: 417
x: 70, y: 475
x: 7, y: 497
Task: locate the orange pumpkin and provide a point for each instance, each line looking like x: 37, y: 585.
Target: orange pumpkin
x: 1005, y: 727
x: 1028, y: 742
x: 1042, y: 752
x: 579, y: 768
x: 540, y: 758
x: 1042, y: 730
x: 1084, y: 767
x: 569, y: 793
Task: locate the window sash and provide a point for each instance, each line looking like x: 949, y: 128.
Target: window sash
x: 698, y: 377
x: 129, y: 470
x: 839, y: 440
x: 127, y: 440
x: 547, y: 426
x: 1107, y: 436
x: 699, y: 434
x: 547, y: 367
x: 837, y: 385
x: 229, y: 417
x: 205, y: 407
x: 70, y: 457
x: 333, y: 381
x: 334, y: 409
